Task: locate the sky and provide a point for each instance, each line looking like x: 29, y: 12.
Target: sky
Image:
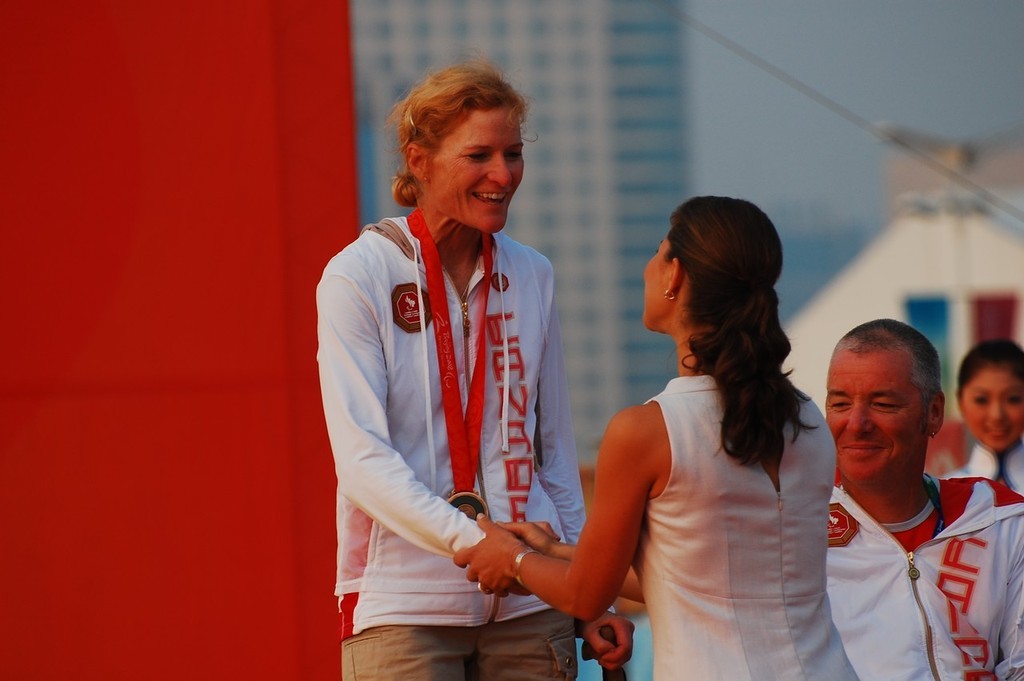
x: 953, y: 68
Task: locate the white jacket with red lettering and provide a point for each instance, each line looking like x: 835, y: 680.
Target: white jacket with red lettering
x: 383, y: 406
x: 951, y: 609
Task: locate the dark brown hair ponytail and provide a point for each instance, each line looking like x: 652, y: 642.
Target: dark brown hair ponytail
x: 733, y: 257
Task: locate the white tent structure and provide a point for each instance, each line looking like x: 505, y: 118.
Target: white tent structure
x: 945, y: 249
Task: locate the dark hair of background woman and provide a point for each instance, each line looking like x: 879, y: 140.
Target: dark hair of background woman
x: 1001, y: 352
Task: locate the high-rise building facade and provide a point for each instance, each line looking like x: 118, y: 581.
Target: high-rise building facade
x: 605, y: 158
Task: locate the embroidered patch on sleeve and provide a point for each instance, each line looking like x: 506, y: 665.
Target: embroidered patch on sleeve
x: 406, y: 308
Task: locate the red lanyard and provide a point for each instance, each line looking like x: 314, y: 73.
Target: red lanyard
x: 463, y: 433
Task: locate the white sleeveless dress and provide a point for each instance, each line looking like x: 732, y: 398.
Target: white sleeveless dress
x: 733, y: 573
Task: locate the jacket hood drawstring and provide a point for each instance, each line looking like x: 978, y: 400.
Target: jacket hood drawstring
x: 504, y: 351
x: 428, y: 414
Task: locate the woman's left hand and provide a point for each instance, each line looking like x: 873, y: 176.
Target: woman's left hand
x: 608, y: 639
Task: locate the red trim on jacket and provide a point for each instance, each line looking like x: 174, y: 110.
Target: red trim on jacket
x: 956, y: 492
x: 345, y: 620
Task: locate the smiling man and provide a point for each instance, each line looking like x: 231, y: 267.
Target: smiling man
x: 925, y: 576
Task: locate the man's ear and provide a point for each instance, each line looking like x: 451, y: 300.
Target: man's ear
x: 936, y: 413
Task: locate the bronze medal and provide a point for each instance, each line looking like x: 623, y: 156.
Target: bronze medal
x: 470, y: 503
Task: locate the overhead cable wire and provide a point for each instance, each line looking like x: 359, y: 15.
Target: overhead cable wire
x: 880, y: 132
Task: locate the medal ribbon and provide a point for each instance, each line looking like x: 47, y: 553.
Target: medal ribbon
x: 463, y: 432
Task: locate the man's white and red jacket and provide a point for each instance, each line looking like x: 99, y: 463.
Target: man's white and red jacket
x: 950, y: 609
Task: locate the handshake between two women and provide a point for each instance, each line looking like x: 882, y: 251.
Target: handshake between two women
x: 524, y: 558
x: 496, y: 562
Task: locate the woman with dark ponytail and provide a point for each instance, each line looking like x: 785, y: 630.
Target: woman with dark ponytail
x: 733, y: 257
x: 716, y: 490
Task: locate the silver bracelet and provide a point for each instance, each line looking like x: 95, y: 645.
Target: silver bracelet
x: 518, y: 563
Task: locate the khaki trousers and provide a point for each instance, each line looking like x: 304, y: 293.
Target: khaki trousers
x: 539, y: 647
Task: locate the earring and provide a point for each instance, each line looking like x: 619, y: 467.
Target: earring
x: 670, y: 294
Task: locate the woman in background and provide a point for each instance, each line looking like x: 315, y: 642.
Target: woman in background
x: 990, y: 394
